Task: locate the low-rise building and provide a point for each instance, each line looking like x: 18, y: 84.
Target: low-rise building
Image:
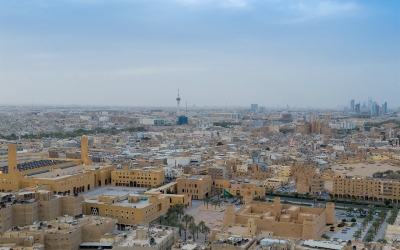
x: 138, y: 177
x: 197, y: 186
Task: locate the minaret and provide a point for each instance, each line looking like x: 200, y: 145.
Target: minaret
x: 178, y: 100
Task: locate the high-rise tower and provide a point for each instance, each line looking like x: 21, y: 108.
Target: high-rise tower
x: 178, y: 100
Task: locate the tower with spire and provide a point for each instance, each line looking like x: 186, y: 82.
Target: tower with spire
x: 178, y: 100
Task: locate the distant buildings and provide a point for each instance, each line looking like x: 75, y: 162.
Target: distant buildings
x: 384, y: 108
x: 152, y: 121
x: 182, y: 120
x: 254, y: 107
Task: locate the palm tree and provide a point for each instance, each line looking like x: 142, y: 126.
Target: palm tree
x: 193, y: 229
x: 357, y: 234
x: 172, y: 220
x: 206, y: 230
x: 215, y: 203
x: 201, y: 225
x: 181, y: 227
x: 207, y: 201
x: 371, y: 211
x: 364, y: 224
x: 376, y: 225
x: 180, y: 208
x: 187, y: 219
x: 344, y: 200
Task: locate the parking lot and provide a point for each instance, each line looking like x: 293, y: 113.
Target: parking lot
x: 346, y: 233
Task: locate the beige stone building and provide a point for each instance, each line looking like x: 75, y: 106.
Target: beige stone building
x: 366, y: 188
x: 28, y: 207
x: 138, y: 177
x: 274, y: 183
x: 246, y: 188
x: 217, y: 172
x: 284, y: 171
x: 62, y: 176
x: 282, y: 220
x: 143, y: 237
x: 62, y: 233
x: 197, y: 186
x: 131, y: 205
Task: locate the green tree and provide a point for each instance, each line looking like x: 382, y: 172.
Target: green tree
x: 201, y: 225
x: 376, y: 226
x: 371, y: 211
x: 387, y: 202
x: 215, y: 203
x: 207, y: 200
x: 181, y: 227
x: 193, y: 229
x: 187, y: 219
x: 357, y: 234
x: 161, y: 219
x: 364, y: 224
x: 206, y: 231
x: 324, y: 236
x: 180, y: 209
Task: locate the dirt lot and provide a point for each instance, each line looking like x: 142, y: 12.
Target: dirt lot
x: 363, y: 169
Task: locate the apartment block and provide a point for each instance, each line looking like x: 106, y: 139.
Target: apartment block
x: 217, y: 172
x: 366, y: 188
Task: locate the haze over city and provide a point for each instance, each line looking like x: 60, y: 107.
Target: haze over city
x: 318, y: 54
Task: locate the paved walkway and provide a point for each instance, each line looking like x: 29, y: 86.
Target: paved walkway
x: 382, y: 230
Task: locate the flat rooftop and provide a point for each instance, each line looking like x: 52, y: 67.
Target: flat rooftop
x: 122, y: 203
x: 155, y: 232
x: 63, y: 172
x: 35, y: 165
x: 114, y: 191
x: 363, y: 169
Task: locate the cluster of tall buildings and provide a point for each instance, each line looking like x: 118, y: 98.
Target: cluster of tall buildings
x: 371, y: 107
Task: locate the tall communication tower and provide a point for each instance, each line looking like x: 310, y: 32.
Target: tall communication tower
x: 178, y: 100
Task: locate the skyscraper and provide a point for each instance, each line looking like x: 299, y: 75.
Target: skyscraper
x: 375, y: 109
x: 384, y: 108
x: 352, y: 105
x: 369, y: 102
x: 357, y: 108
x: 254, y: 107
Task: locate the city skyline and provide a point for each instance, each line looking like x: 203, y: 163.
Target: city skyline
x: 318, y: 54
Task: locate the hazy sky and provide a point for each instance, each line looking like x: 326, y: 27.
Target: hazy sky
x: 319, y: 53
